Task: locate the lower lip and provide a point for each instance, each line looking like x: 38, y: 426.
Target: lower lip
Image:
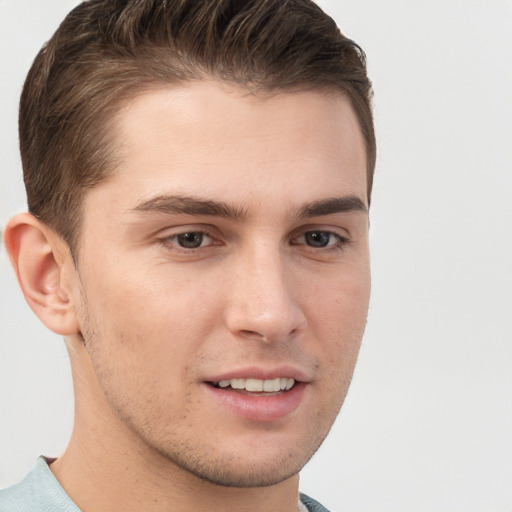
x: 260, y: 407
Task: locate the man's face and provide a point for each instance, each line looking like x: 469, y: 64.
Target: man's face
x: 226, y: 255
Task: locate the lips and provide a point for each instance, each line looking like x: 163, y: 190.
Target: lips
x: 259, y: 395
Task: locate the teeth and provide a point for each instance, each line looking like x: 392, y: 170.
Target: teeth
x: 237, y: 383
x: 258, y: 385
x: 272, y: 385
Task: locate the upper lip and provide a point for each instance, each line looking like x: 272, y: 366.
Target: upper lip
x: 254, y: 372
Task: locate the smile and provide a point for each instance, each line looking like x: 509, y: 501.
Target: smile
x: 257, y: 399
x: 257, y: 385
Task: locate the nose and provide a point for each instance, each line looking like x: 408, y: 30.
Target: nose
x: 262, y: 298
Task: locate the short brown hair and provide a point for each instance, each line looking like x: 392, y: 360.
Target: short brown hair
x: 105, y: 51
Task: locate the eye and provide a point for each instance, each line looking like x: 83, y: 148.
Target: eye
x: 319, y: 239
x: 190, y: 240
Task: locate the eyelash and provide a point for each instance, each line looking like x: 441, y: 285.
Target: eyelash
x: 338, y: 241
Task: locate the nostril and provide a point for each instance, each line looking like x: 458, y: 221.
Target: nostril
x: 253, y: 334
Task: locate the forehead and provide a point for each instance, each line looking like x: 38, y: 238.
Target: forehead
x: 214, y: 139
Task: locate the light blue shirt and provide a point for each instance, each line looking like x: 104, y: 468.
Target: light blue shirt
x: 40, y: 491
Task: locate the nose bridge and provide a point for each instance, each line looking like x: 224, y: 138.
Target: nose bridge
x: 263, y: 299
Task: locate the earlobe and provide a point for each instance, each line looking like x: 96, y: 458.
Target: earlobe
x: 41, y: 265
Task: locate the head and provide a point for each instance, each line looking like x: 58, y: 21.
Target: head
x: 199, y: 177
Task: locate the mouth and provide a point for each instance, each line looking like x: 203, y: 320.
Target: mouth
x: 264, y: 387
x: 259, y: 394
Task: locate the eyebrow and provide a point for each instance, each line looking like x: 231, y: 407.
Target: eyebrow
x: 187, y: 205
x: 333, y: 205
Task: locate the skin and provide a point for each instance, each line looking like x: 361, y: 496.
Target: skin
x: 148, y: 322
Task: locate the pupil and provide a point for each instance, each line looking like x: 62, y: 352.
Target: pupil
x: 317, y: 238
x: 190, y: 240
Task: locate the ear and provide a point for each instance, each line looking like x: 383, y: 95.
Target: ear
x: 45, y: 270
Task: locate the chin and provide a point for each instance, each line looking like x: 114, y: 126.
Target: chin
x: 243, y: 475
x: 257, y: 467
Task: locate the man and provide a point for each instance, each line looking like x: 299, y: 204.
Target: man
x: 198, y: 177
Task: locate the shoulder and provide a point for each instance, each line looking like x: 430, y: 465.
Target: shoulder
x: 311, y: 504
x: 39, y: 491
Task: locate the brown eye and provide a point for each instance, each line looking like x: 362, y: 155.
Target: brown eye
x: 319, y: 238
x: 192, y: 240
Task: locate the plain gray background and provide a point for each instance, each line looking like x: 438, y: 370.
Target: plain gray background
x: 427, y: 425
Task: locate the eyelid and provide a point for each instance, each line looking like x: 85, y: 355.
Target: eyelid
x: 171, y: 231
x: 338, y: 231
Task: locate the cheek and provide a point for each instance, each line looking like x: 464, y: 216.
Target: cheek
x: 149, y: 297
x: 340, y: 304
x: 148, y: 324
x: 338, y: 319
